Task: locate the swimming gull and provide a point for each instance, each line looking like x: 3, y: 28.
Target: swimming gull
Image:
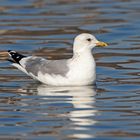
x: 76, y: 71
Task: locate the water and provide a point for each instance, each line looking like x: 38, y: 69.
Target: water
x: 111, y: 111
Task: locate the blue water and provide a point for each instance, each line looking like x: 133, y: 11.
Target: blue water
x: 30, y: 110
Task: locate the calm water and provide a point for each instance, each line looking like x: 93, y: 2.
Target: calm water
x: 111, y: 111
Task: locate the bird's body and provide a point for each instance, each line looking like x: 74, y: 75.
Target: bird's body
x: 76, y: 71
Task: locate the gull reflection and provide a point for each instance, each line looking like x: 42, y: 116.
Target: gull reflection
x: 82, y: 112
x: 82, y: 99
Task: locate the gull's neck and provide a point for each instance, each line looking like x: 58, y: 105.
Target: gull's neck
x: 85, y: 54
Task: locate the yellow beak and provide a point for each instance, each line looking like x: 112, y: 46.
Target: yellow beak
x: 101, y: 44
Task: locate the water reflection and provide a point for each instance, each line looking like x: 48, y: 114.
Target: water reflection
x: 74, y: 106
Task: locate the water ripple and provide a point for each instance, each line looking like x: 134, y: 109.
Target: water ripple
x: 47, y: 28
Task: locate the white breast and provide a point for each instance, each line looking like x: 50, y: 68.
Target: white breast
x: 82, y: 70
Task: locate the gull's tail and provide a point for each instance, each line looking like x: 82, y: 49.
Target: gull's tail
x: 15, y: 57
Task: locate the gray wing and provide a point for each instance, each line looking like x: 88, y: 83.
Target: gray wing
x: 37, y: 64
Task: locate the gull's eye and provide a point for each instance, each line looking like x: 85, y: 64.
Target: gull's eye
x: 89, y: 39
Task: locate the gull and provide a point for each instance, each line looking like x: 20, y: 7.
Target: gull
x: 79, y: 70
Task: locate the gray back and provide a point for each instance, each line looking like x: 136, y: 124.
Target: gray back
x: 38, y: 64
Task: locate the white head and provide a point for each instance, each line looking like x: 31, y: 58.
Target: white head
x: 85, y: 42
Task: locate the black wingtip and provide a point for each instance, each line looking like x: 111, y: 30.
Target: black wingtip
x: 9, y: 51
x: 15, y: 57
